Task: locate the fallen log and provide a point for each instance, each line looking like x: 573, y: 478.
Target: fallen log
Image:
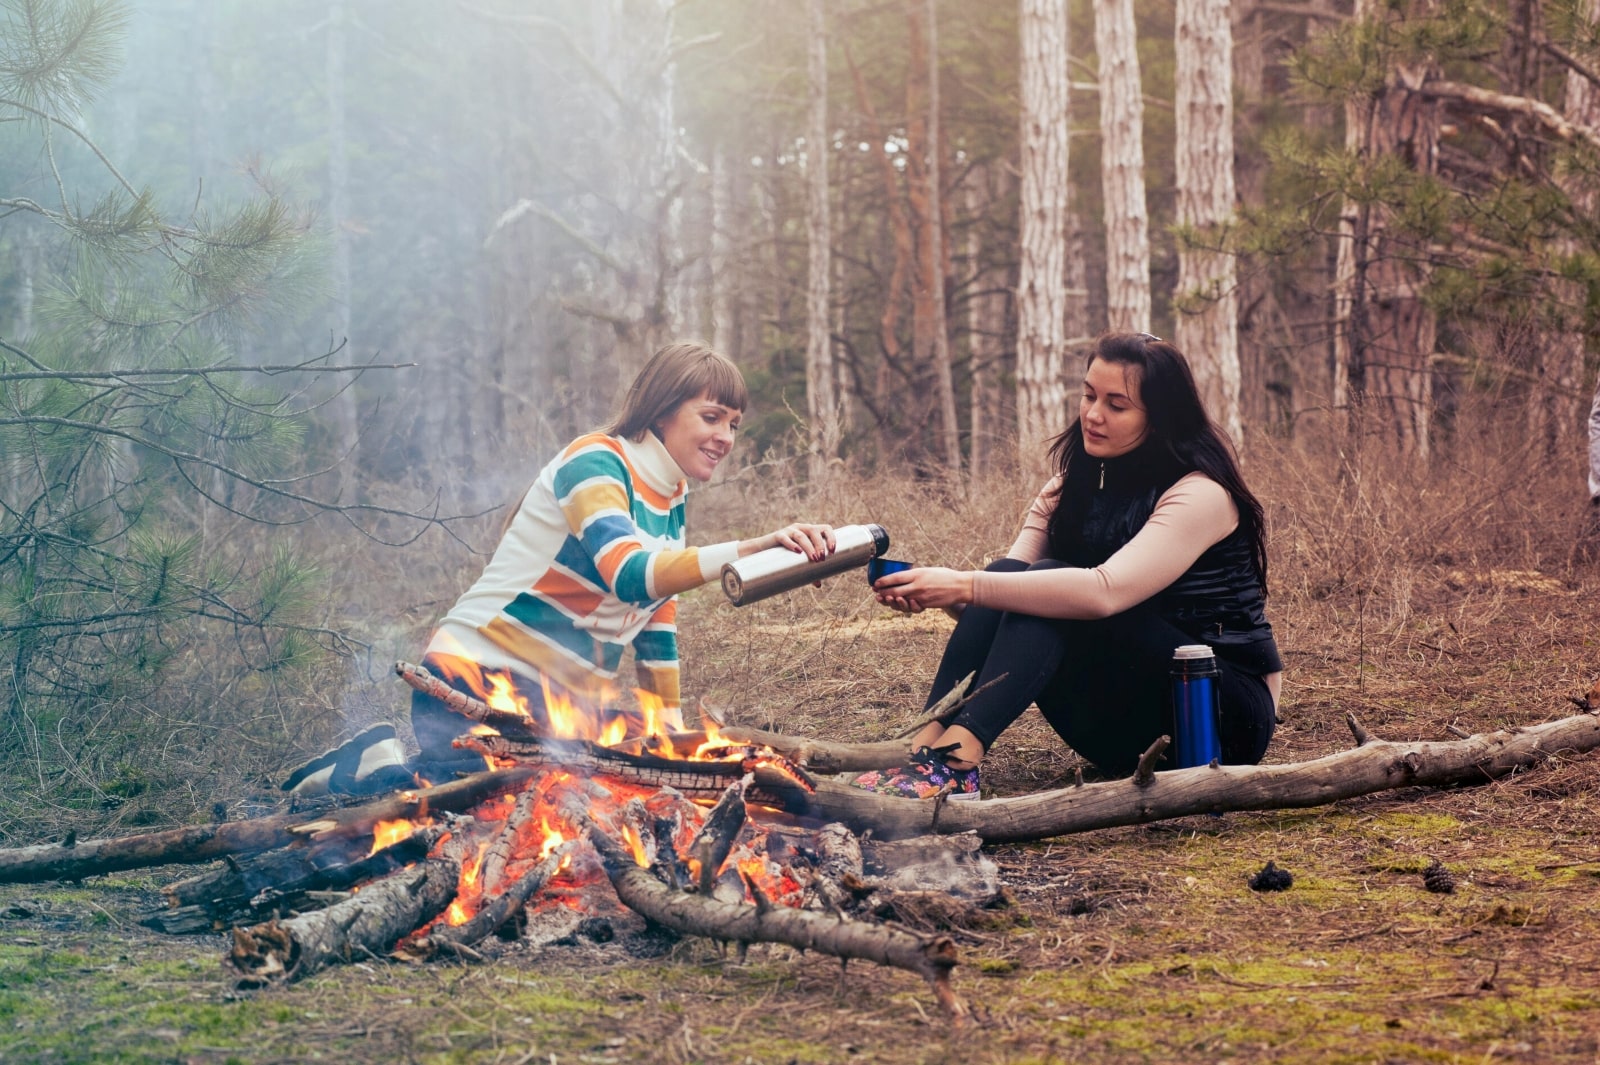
x: 827, y: 756
x: 204, y: 843
x: 931, y: 957
x: 365, y: 925
x: 1375, y: 765
x: 254, y: 887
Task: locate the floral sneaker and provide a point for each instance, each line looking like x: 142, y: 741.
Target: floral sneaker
x: 923, y: 777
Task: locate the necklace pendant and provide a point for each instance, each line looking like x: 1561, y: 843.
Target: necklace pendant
x: 1102, y: 475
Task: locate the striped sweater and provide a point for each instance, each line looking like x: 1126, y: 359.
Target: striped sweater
x: 590, y: 565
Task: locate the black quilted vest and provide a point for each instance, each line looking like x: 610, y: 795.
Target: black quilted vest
x: 1218, y: 601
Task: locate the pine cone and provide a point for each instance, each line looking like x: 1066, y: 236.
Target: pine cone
x: 1271, y: 878
x: 1437, y: 879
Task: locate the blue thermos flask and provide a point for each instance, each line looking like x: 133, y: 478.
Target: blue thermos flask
x: 1196, y: 705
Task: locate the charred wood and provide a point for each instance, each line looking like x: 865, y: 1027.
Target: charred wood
x: 718, y: 834
x: 777, y: 782
x: 931, y: 957
x: 365, y: 925
x: 495, y: 912
x: 253, y: 888
x: 206, y: 843
x: 512, y: 725
x: 499, y: 853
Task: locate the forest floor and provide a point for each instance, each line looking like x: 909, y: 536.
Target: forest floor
x: 1131, y: 944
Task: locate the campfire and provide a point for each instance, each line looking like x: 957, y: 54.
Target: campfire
x: 696, y: 832
x: 735, y: 834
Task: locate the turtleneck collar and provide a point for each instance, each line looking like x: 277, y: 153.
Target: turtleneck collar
x: 652, y: 461
x: 1139, y: 468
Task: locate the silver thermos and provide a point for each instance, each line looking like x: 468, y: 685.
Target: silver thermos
x: 778, y: 569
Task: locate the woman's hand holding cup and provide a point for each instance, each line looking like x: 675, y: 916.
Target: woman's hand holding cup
x: 916, y: 589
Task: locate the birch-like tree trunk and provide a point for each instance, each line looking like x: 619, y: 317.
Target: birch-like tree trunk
x: 1127, y: 219
x: 1207, y: 321
x: 1383, y: 332
x: 934, y: 258
x: 821, y: 405
x: 1046, y: 207
x: 727, y: 293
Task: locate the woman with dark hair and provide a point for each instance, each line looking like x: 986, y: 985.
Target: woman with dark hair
x: 1146, y: 539
x: 589, y: 566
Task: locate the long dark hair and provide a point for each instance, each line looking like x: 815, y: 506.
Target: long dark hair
x: 1181, y: 437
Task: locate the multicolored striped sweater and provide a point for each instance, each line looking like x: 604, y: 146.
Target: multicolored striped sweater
x: 590, y: 565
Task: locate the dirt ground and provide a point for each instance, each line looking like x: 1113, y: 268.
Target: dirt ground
x: 1133, y: 944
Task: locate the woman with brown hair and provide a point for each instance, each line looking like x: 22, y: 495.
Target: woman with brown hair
x: 589, y: 566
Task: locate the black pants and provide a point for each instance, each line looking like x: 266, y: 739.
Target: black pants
x: 1103, y: 685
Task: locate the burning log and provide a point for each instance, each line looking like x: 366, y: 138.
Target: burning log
x: 458, y: 939
x: 777, y: 782
x: 365, y: 925
x: 1374, y: 765
x: 715, y: 841
x: 507, y: 724
x: 931, y: 957
x: 504, y: 847
x: 191, y: 846
x: 255, y: 887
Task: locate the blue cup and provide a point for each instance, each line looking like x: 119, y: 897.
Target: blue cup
x: 882, y: 567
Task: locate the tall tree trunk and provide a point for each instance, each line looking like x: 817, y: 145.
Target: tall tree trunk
x: 1384, y: 334
x: 1582, y: 107
x: 1259, y: 380
x: 1046, y: 209
x: 1122, y: 168
x: 821, y: 404
x: 1207, y: 322
x: 986, y: 323
x: 343, y: 409
x: 932, y: 274
x: 723, y: 333
x: 891, y: 356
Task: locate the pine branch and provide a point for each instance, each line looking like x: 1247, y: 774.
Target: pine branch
x: 1551, y: 120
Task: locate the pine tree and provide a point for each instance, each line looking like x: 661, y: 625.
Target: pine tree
x: 126, y: 420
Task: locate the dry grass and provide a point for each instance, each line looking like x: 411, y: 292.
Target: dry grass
x: 1417, y: 603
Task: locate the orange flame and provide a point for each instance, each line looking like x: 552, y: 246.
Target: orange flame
x: 552, y: 840
x: 614, y: 732
x: 652, y: 705
x: 388, y: 833
x: 462, y: 909
x: 567, y: 719
x: 630, y: 836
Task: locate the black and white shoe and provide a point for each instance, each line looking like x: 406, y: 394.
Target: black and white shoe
x: 373, y: 761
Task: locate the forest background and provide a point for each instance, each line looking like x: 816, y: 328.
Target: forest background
x: 295, y: 296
